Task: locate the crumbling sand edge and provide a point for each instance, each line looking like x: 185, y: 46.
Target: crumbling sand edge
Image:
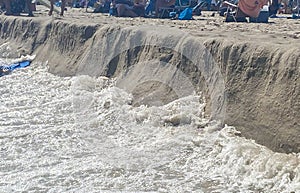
x: 262, y: 83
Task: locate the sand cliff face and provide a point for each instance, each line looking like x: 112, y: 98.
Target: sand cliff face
x: 253, y: 87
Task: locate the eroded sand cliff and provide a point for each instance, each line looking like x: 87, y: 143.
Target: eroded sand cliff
x: 249, y: 73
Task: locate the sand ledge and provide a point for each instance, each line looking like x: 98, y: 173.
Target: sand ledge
x: 260, y: 70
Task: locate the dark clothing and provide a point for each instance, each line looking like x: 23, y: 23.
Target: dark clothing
x: 139, y: 10
x: 273, y: 8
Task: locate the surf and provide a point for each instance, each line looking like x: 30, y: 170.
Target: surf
x: 82, y: 133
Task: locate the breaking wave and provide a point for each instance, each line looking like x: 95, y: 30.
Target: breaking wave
x: 82, y: 134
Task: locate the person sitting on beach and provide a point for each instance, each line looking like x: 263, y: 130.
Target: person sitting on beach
x: 224, y: 6
x: 286, y: 6
x: 273, y: 7
x: 102, y: 6
x: 15, y: 7
x: 250, y: 8
x: 79, y: 3
x: 130, y: 9
x: 150, y: 8
x: 163, y: 3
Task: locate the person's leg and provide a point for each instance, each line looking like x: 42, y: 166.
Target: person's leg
x: 29, y: 7
x: 150, y: 7
x: 63, y: 6
x: 129, y: 13
x: 120, y: 10
x: 285, y: 6
x: 51, y: 7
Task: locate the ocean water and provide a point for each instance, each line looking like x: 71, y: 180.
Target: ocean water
x: 82, y: 134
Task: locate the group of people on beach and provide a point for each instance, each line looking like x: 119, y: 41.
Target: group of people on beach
x: 134, y: 8
x: 144, y: 8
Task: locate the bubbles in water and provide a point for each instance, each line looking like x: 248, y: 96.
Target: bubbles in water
x: 83, y: 134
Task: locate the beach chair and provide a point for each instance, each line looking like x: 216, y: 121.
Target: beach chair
x: 173, y: 6
x: 296, y: 10
x: 203, y: 4
x: 164, y: 7
x: 231, y: 10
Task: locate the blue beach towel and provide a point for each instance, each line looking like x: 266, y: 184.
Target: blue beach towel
x: 186, y: 14
x: 4, y: 70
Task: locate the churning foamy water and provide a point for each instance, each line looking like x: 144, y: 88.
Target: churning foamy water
x: 82, y: 134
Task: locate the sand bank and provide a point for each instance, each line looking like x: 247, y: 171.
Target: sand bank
x: 255, y: 66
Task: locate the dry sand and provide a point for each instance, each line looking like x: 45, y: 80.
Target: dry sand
x: 279, y: 31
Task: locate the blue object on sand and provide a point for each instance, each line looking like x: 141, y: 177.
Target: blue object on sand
x: 186, y: 14
x: 4, y: 70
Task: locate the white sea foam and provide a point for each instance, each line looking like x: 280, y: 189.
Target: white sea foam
x: 81, y: 134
